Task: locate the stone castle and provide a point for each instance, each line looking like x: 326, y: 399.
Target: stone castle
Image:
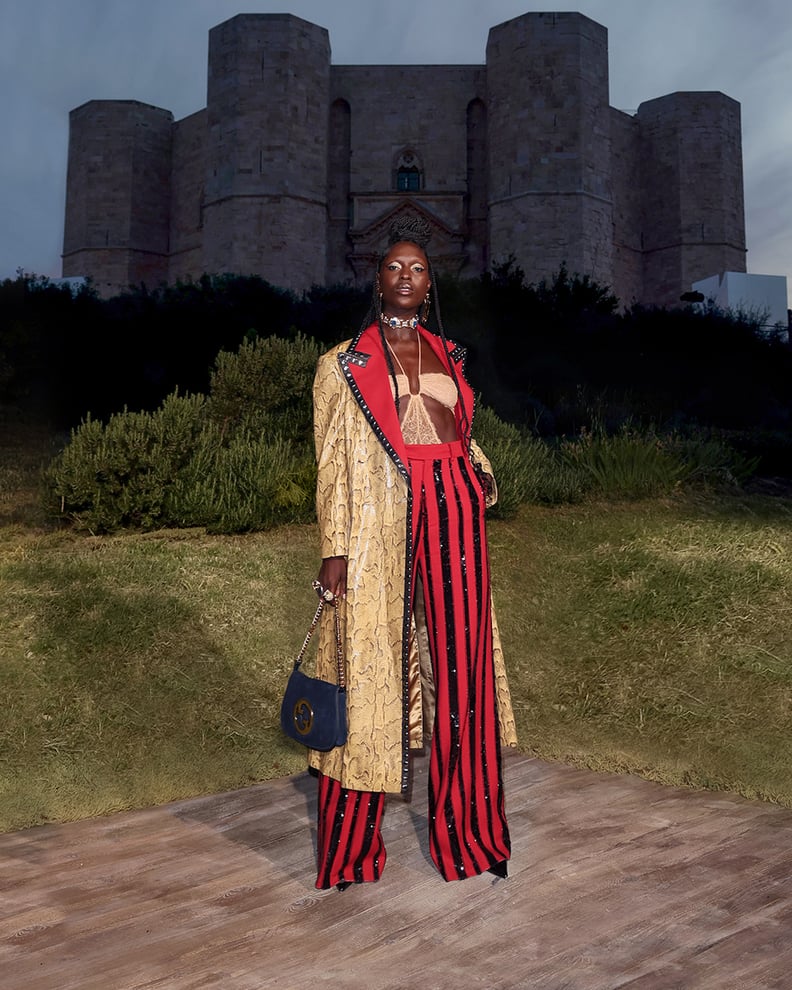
x: 296, y: 167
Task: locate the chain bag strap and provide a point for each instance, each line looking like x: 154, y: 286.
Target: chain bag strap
x: 313, y: 711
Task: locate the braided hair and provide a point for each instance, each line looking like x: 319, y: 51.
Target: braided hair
x: 413, y: 230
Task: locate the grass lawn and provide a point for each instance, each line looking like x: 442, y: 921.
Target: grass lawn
x: 654, y: 638
x: 651, y: 637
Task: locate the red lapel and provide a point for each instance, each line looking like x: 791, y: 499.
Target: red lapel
x: 367, y: 373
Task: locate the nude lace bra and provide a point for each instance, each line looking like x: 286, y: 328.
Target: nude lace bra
x: 416, y: 423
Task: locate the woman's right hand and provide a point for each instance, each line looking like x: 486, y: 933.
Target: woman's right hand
x: 333, y: 575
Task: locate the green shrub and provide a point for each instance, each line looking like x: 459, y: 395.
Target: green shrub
x: 239, y: 460
x: 120, y: 474
x: 251, y: 480
x: 526, y: 469
x: 627, y: 465
x: 712, y: 460
x: 642, y: 464
x: 268, y: 380
x: 769, y: 451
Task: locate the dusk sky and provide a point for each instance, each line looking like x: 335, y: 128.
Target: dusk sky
x: 57, y: 54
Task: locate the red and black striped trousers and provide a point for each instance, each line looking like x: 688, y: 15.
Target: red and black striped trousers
x: 467, y: 824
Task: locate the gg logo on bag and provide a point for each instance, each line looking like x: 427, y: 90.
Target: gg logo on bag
x: 302, y: 716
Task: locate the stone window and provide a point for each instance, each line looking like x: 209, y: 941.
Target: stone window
x: 408, y: 179
x: 408, y: 172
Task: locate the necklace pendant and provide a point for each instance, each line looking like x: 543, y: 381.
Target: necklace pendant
x: 395, y: 323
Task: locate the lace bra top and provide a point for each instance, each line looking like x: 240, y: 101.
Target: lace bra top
x: 416, y: 423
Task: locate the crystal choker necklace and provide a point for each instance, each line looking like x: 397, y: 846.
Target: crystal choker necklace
x: 395, y: 323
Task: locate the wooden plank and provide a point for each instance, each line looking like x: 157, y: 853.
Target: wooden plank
x: 615, y: 883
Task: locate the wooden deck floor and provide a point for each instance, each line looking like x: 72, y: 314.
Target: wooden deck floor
x: 615, y: 882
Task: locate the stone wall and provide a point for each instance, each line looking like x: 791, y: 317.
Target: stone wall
x: 627, y: 186
x: 265, y: 204
x: 549, y: 144
x: 118, y: 193
x: 187, y: 199
x: 693, y: 223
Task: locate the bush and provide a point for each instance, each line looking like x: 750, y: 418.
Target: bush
x: 526, y: 469
x: 711, y: 460
x: 633, y: 464
x: 121, y: 474
x: 630, y: 464
x: 253, y: 480
x: 239, y: 460
x: 267, y: 379
x: 770, y: 450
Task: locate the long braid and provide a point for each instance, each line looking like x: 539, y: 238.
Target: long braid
x: 378, y: 313
x: 374, y: 315
x: 451, y: 367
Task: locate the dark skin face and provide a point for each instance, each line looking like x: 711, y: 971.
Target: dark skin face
x: 403, y: 281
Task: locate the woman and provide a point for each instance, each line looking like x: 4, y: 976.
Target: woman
x: 401, y: 518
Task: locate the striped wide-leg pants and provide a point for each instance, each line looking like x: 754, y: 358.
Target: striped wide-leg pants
x: 467, y: 824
